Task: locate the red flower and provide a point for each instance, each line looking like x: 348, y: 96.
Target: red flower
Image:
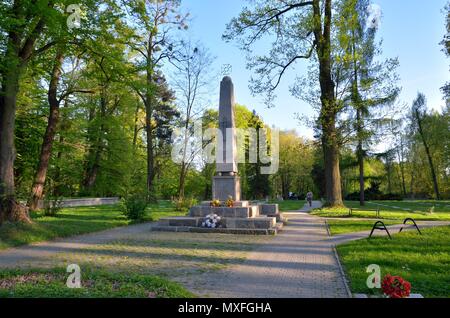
x: 396, y: 287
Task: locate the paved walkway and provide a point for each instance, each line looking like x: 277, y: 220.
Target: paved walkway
x: 298, y: 263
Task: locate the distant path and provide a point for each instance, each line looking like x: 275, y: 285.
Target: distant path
x: 298, y: 263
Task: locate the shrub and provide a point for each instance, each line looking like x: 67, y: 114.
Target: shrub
x: 52, y: 206
x: 133, y: 207
x: 185, y: 204
x: 374, y: 196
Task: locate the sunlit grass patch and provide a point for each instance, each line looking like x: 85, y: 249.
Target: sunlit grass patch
x: 68, y: 222
x: 422, y: 260
x: 349, y: 226
x: 75, y: 221
x: 289, y: 205
x: 94, y: 284
x: 394, y: 210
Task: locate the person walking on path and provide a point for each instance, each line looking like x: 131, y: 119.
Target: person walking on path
x: 309, y: 198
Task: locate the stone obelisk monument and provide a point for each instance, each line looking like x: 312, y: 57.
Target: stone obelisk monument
x: 241, y: 217
x: 226, y: 183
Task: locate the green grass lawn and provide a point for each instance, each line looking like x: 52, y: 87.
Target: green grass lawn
x: 94, y: 284
x: 289, y: 205
x: 422, y: 260
x: 161, y: 210
x: 393, y: 210
x: 349, y: 226
x: 75, y: 221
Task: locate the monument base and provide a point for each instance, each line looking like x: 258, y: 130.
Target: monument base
x: 242, y: 218
x: 225, y: 187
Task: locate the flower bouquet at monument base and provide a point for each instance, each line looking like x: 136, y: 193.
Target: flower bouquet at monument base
x: 230, y: 202
x: 212, y: 221
x: 396, y: 287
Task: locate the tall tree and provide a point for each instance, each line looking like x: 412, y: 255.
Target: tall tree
x: 299, y: 29
x: 418, y: 118
x: 446, y: 49
x: 71, y: 42
x: 47, y: 144
x: 156, y: 20
x: 372, y: 83
x: 191, y: 81
x: 23, y: 28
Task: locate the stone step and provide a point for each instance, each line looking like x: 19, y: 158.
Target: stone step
x: 237, y: 212
x: 238, y: 204
x: 253, y: 223
x: 186, y: 229
x: 268, y: 209
x: 180, y: 221
x: 249, y: 223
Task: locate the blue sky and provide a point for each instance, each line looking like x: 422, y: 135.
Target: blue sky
x: 411, y: 30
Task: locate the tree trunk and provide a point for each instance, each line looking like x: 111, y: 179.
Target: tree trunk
x: 362, y: 186
x: 94, y: 166
x: 332, y: 174
x: 357, y: 103
x: 430, y: 158
x: 19, y: 50
x: 47, y: 144
x: 136, y: 128
x: 150, y: 153
x: 10, y: 209
x: 182, y: 181
x: 400, y: 153
x: 329, y: 110
x: 389, y: 175
x: 149, y: 116
x: 359, y: 133
x: 57, y: 190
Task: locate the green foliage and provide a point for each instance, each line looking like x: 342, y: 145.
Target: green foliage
x: 297, y: 158
x: 183, y: 205
x: 134, y: 206
x: 52, y: 206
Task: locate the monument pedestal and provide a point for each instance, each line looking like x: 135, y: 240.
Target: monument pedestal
x: 242, y: 218
x: 225, y: 187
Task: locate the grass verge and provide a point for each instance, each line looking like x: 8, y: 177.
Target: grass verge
x: 94, y: 284
x: 289, y: 205
x: 422, y: 260
x: 75, y: 221
x: 350, y: 226
x: 394, y: 210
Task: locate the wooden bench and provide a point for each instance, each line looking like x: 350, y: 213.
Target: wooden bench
x: 377, y: 211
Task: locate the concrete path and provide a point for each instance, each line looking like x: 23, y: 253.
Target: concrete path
x: 298, y: 263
